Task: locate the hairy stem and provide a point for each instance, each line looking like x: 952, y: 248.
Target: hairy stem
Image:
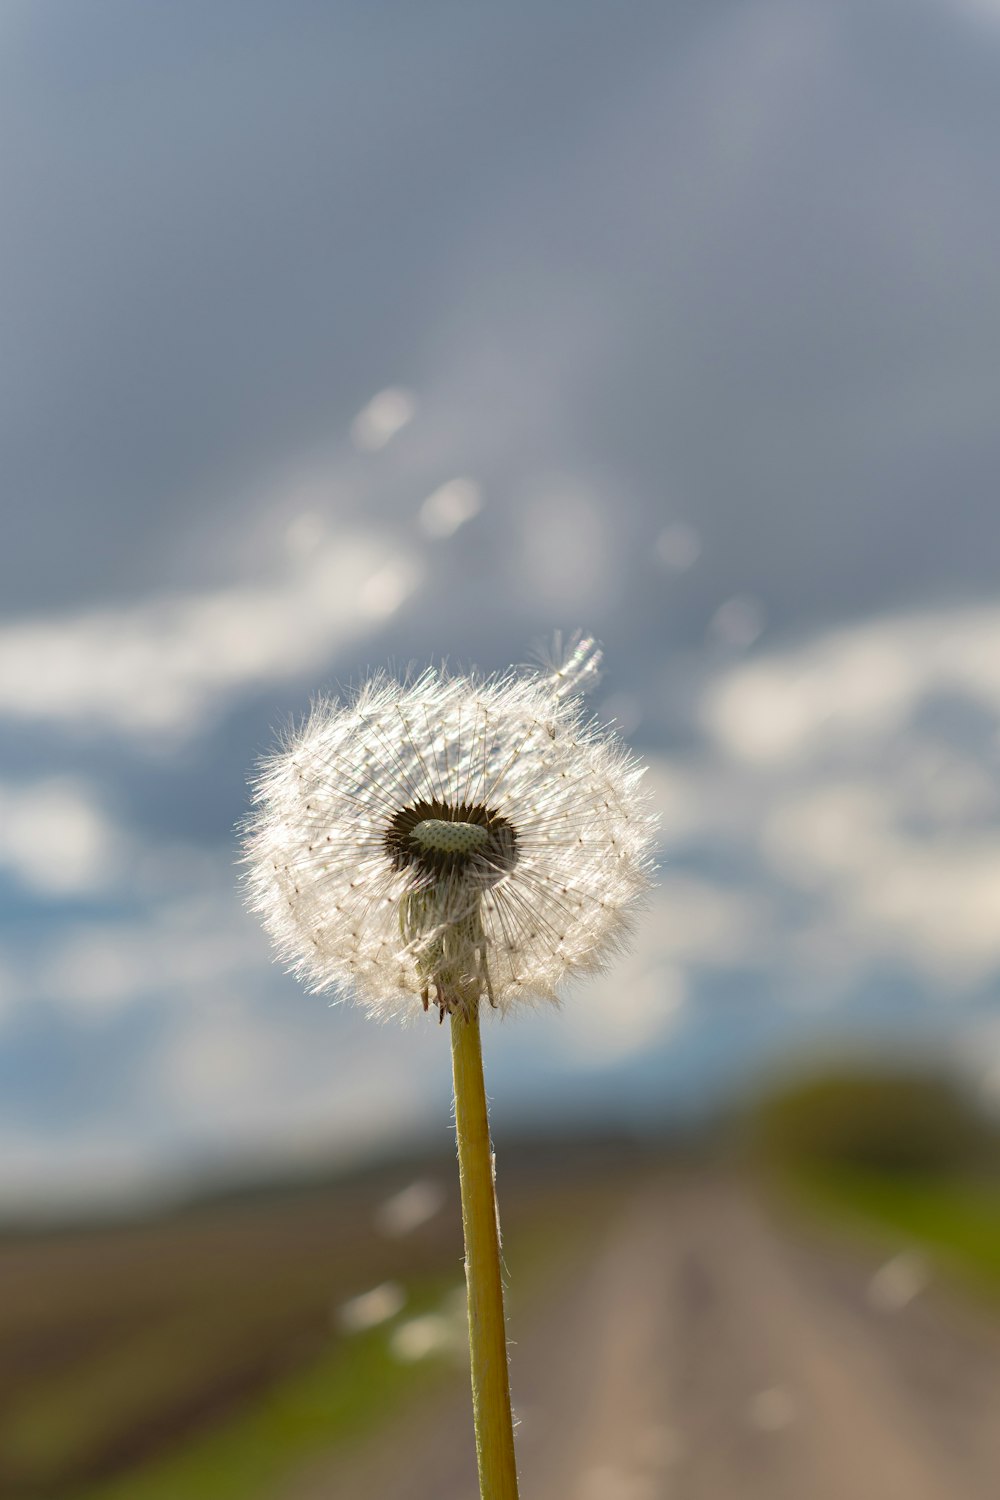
x: 487, y: 1330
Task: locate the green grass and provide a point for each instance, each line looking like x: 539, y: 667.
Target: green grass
x: 958, y: 1220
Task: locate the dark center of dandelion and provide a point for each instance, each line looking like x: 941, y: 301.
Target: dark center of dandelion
x: 439, y: 839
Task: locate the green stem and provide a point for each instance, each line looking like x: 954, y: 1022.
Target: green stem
x: 487, y: 1329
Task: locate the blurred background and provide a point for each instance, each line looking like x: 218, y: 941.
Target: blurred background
x: 339, y: 334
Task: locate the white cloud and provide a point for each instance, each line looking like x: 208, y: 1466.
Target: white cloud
x: 937, y: 905
x: 239, y: 1076
x: 615, y: 1019
x: 827, y: 833
x: 56, y: 838
x: 889, y: 826
x: 165, y: 666
x: 852, y: 686
x: 189, y: 938
x: 182, y: 949
x: 699, y: 920
x: 644, y: 996
x: 838, y: 855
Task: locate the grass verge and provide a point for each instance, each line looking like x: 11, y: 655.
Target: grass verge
x: 957, y: 1220
x: 355, y: 1389
x: 341, y: 1396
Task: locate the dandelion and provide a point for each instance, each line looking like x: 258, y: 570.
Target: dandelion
x: 454, y: 840
x: 450, y: 837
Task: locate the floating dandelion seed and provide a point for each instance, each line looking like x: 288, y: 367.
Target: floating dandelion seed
x: 472, y: 839
x: 462, y: 838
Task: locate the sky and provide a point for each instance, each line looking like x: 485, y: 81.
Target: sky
x: 343, y: 335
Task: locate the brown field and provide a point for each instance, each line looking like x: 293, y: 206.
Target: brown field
x: 198, y: 1353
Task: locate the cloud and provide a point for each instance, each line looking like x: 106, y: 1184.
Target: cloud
x: 852, y: 686
x: 614, y: 1020
x: 218, y: 1057
x: 865, y: 760
x: 806, y: 862
x: 57, y: 838
x: 233, y: 1075
x: 167, y: 666
x: 182, y: 950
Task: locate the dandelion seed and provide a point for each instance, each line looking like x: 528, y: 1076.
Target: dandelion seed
x: 369, y: 1309
x: 408, y: 1209
x: 453, y: 837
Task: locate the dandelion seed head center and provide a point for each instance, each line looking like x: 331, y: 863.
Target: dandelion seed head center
x: 440, y: 839
x: 450, y: 838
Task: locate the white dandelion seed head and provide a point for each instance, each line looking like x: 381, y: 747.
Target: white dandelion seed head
x: 450, y: 838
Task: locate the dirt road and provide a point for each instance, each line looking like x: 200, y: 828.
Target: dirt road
x: 704, y: 1354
